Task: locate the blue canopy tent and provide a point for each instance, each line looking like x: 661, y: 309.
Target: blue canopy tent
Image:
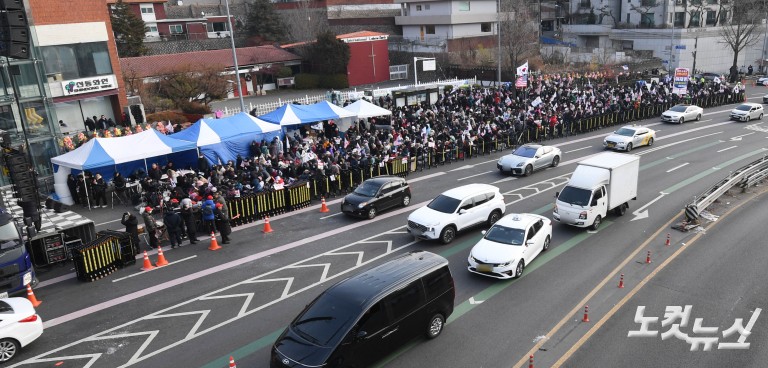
x: 221, y: 140
x: 287, y: 115
x: 107, y: 155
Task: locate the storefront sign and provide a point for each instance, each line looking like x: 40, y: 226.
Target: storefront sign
x: 365, y: 39
x: 680, y: 86
x: 88, y: 85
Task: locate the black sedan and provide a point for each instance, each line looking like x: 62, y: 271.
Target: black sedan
x: 376, y: 194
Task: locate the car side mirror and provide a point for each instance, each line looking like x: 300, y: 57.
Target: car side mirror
x: 462, y: 211
x: 557, y: 194
x: 529, y: 242
x: 483, y: 232
x: 537, y: 156
x: 361, y: 335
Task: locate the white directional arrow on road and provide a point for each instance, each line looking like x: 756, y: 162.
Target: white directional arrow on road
x: 642, y: 212
x: 462, y: 168
x: 473, y: 301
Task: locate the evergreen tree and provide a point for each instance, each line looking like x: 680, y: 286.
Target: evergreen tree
x: 129, y: 31
x: 264, y: 23
x: 330, y: 54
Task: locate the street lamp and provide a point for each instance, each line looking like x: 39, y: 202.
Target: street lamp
x: 234, y: 58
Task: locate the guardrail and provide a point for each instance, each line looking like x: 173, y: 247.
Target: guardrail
x: 743, y: 177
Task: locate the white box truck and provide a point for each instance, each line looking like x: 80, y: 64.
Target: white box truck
x: 604, y: 182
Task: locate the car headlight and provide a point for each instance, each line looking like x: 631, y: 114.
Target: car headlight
x: 555, y: 209
x: 27, y: 278
x: 620, y: 143
x: 507, y: 264
x: 583, y: 215
x: 499, y: 162
x: 520, y: 164
x: 361, y: 205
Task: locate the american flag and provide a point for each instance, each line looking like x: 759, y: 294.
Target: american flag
x: 522, y: 79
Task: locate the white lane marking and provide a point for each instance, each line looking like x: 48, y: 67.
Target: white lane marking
x: 107, y: 222
x: 700, y: 121
x: 335, y: 214
x: 675, y: 144
x: 679, y: 166
x: 472, y: 176
x: 425, y: 177
x: 57, y: 280
x: 504, y: 180
x: 692, y: 130
x: 156, y: 268
x: 725, y: 149
x: 742, y: 136
x: 578, y: 149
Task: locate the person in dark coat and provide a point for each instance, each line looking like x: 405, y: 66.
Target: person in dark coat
x: 155, y: 172
x: 102, y: 122
x: 172, y: 222
x: 189, y: 215
x: 82, y: 192
x: 222, y: 223
x: 132, y: 228
x: 202, y: 164
x: 150, y: 226
x: 90, y: 125
x: 99, y: 192
x: 72, y: 185
x: 120, y: 187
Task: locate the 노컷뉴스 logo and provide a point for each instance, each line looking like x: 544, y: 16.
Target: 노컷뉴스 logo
x: 676, y: 317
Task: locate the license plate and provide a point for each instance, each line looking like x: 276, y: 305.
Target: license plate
x: 484, y: 268
x: 611, y: 145
x: 3, y: 295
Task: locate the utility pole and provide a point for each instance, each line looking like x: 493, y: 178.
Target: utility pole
x: 765, y: 39
x: 672, y: 39
x: 695, y: 49
x: 234, y: 59
x: 498, y: 37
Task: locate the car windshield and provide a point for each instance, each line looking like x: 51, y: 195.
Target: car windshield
x: 626, y: 132
x: 325, y: 321
x: 9, y: 237
x: 525, y: 151
x: 575, y: 196
x: 678, y: 108
x: 444, y: 204
x: 505, y: 235
x: 743, y: 107
x: 367, y: 189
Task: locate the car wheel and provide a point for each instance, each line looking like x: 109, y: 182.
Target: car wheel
x: 448, y: 234
x: 528, y: 170
x: 556, y: 161
x: 406, y: 200
x: 650, y: 142
x: 546, y: 244
x: 519, y: 269
x: 596, y: 223
x: 8, y: 349
x: 629, y: 147
x: 682, y: 120
x: 371, y: 213
x: 698, y: 117
x: 621, y: 210
x: 493, y: 217
x: 435, y: 326
x: 761, y: 116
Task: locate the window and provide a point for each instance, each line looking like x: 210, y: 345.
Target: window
x: 152, y: 28
x: 711, y: 18
x: 418, y: 7
x: 679, y: 19
x: 374, y: 320
x: 430, y: 29
x: 723, y: 16
x: 217, y: 27
x: 486, y: 27
x: 647, y: 20
x: 695, y: 19
x: 480, y: 199
x: 403, y: 302
x: 628, y: 18
x: 81, y: 60
x: 467, y: 204
x: 147, y: 9
x: 463, y: 5
x: 426, y: 6
x: 176, y: 29
x: 437, y: 282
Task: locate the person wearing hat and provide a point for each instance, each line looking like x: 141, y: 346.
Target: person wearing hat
x: 222, y: 223
x: 207, y: 209
x: 132, y: 228
x: 173, y: 225
x: 189, y: 212
x: 150, y: 226
x: 99, y: 192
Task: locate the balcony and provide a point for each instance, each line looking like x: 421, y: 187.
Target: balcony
x: 587, y: 29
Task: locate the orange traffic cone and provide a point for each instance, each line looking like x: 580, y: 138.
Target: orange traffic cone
x: 267, y: 227
x: 161, y: 261
x: 214, y: 243
x: 31, y: 296
x: 324, y: 207
x: 147, y: 264
x: 232, y: 362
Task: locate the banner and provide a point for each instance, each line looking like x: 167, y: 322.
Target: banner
x: 680, y: 84
x: 522, y: 76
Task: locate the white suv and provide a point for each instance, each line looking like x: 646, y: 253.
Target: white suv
x: 455, y: 210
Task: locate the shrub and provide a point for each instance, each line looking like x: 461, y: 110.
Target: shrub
x: 284, y: 72
x: 165, y: 116
x: 307, y: 81
x: 334, y: 81
x: 194, y: 108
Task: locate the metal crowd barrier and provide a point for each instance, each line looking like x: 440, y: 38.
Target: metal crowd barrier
x: 97, y: 258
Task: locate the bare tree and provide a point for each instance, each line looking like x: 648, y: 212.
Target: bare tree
x: 519, y: 32
x: 304, y: 22
x: 606, y: 12
x: 645, y: 7
x: 695, y: 9
x: 744, y: 28
x: 187, y: 83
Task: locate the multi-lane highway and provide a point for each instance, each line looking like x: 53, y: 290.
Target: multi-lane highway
x: 207, y: 305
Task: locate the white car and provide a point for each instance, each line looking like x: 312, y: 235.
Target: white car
x: 455, y: 210
x: 765, y: 99
x: 19, y: 326
x: 529, y: 157
x: 509, y: 245
x: 682, y: 113
x: 629, y: 137
x: 747, y: 111
x: 762, y: 81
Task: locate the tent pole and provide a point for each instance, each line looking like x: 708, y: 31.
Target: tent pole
x: 87, y: 197
x: 146, y: 169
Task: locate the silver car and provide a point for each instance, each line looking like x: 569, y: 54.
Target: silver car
x: 528, y: 158
x: 682, y: 113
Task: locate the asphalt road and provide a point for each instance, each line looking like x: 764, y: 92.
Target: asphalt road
x: 210, y: 305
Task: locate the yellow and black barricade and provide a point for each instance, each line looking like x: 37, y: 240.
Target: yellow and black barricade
x: 297, y: 195
x: 96, y: 259
x: 400, y: 166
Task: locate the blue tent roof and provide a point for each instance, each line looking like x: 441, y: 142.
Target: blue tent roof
x: 287, y: 114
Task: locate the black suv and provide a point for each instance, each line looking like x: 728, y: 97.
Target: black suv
x: 367, y: 316
x: 376, y: 194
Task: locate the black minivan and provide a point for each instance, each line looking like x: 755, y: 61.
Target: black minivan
x: 362, y: 318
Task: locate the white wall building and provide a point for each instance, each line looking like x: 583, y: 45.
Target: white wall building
x: 603, y: 28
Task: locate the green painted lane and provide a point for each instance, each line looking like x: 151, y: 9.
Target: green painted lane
x: 245, y: 350
x: 677, y: 155
x: 708, y: 172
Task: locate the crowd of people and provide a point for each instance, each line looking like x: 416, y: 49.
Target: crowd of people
x: 461, y: 119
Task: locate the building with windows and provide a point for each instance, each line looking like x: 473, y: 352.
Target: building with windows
x: 176, y: 22
x: 448, y: 25
x: 681, y: 33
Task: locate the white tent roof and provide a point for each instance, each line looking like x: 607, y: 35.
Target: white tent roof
x: 363, y: 109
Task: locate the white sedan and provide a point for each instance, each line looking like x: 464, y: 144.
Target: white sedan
x: 19, y: 326
x: 682, y: 113
x: 762, y: 81
x: 528, y: 158
x: 629, y: 137
x: 509, y: 245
